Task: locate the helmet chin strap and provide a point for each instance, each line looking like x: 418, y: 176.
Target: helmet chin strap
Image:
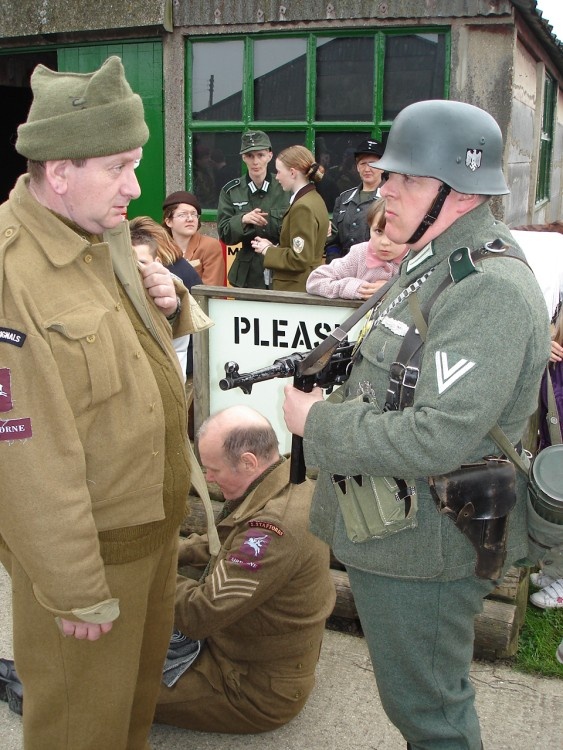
x: 432, y: 214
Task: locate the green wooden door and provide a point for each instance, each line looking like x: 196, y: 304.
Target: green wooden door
x: 143, y: 67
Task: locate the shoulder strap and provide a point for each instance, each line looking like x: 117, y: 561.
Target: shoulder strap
x: 552, y: 416
x: 320, y: 355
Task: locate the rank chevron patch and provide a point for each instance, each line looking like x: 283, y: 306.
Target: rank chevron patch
x: 447, y: 375
x: 225, y: 585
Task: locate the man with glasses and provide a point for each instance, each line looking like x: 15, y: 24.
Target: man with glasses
x: 250, y: 206
x: 349, y: 225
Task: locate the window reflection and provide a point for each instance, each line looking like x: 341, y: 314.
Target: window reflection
x: 345, y: 78
x: 414, y: 70
x: 280, y: 75
x: 217, y: 80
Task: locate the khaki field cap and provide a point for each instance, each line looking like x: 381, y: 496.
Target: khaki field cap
x: 255, y: 140
x: 82, y: 115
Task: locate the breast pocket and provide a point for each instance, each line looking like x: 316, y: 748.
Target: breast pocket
x: 85, y: 351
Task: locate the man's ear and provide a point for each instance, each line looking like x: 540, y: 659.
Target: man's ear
x: 56, y: 175
x: 249, y: 462
x: 466, y: 201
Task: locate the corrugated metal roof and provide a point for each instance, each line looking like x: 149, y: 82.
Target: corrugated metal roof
x: 542, y: 29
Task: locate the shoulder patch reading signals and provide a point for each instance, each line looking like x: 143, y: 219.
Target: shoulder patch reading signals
x: 11, y: 336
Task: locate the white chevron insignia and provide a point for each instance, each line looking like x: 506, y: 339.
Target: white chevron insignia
x: 225, y: 585
x: 447, y: 375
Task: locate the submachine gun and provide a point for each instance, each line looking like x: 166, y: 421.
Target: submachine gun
x: 320, y: 367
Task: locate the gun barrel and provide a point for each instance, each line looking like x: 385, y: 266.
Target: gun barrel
x: 281, y: 368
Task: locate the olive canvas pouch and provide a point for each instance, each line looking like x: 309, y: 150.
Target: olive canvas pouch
x: 375, y: 507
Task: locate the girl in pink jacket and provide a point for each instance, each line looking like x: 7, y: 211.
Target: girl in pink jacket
x: 367, y: 266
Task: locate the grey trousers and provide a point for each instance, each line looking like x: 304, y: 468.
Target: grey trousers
x: 420, y: 636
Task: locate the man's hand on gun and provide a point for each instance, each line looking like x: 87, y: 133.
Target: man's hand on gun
x: 310, y: 376
x: 296, y: 407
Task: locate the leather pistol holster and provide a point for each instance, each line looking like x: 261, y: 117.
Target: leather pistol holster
x: 478, y: 498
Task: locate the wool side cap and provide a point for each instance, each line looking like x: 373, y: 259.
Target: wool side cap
x: 82, y: 115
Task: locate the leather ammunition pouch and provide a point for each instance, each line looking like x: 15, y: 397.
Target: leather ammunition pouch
x: 478, y: 498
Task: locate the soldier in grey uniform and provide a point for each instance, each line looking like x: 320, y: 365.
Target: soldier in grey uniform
x: 349, y: 226
x: 250, y: 206
x: 417, y: 591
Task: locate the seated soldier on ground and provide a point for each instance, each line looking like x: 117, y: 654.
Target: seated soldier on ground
x: 259, y: 609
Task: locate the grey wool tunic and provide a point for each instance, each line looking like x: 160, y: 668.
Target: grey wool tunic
x: 486, y: 347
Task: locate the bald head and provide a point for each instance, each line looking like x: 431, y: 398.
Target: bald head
x: 236, y: 446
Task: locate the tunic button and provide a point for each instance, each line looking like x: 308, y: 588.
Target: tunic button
x: 87, y: 258
x: 138, y: 355
x: 118, y: 306
x: 298, y: 694
x: 9, y: 232
x: 300, y: 666
x: 90, y: 339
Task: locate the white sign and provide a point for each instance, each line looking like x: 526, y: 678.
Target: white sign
x: 544, y: 253
x: 254, y: 334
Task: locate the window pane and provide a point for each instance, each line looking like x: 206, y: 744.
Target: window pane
x: 345, y: 79
x: 414, y: 70
x: 216, y: 160
x: 281, y: 140
x: 217, y: 80
x: 280, y: 77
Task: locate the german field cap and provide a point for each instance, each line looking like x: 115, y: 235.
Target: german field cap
x: 254, y: 140
x: 369, y: 147
x: 82, y: 115
x: 182, y: 196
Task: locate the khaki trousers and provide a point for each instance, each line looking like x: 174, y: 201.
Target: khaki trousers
x: 82, y: 695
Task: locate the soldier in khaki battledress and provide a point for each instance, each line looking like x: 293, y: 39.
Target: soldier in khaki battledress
x: 261, y: 605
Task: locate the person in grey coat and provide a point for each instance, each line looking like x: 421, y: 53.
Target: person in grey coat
x: 418, y: 590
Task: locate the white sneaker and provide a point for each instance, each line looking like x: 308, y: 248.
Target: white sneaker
x: 551, y: 597
x: 559, y: 653
x: 541, y: 579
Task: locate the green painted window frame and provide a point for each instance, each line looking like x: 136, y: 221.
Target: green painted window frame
x: 376, y: 126
x: 543, y: 184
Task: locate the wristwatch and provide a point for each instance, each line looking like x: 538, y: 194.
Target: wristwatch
x: 177, y: 311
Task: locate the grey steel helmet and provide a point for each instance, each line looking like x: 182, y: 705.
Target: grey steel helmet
x: 454, y: 142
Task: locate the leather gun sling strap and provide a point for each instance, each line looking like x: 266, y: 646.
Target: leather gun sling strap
x: 320, y: 355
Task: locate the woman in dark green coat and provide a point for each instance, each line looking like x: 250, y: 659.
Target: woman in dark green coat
x: 305, y: 225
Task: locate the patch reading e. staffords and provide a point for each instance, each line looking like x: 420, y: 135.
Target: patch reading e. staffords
x: 11, y: 336
x: 266, y: 525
